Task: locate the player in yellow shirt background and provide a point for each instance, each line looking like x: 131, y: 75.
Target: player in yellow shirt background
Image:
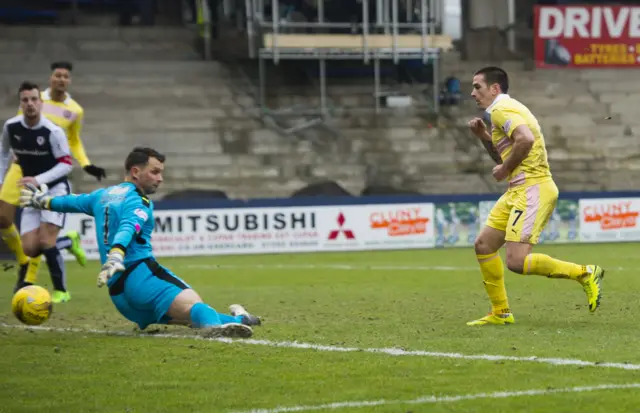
x: 61, y: 109
x: 516, y: 143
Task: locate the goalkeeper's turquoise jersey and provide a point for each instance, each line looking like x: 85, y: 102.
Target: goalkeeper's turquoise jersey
x: 123, y: 218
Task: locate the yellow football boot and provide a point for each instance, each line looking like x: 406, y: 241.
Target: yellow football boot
x: 591, y: 285
x: 60, y: 296
x: 497, y: 320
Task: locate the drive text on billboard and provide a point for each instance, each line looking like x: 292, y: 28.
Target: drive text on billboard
x: 587, y: 36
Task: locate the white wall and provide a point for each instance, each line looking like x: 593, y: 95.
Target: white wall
x: 452, y: 19
x: 488, y: 13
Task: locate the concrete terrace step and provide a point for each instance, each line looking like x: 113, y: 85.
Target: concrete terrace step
x: 110, y: 69
x: 35, y: 34
x: 105, y: 84
x: 615, y: 86
x: 237, y: 189
x: 452, y: 184
x: 117, y: 52
x: 623, y: 97
x: 609, y: 75
x: 104, y: 147
x: 198, y: 162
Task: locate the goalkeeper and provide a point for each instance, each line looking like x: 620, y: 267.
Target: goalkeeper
x: 141, y: 289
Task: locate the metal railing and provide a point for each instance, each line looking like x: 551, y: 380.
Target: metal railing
x: 386, y: 22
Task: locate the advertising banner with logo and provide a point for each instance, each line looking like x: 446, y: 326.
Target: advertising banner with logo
x: 280, y: 230
x: 563, y: 224
x: 587, y: 36
x: 485, y: 210
x: 609, y: 220
x: 457, y: 224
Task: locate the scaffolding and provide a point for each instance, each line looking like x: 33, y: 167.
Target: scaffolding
x: 385, y: 38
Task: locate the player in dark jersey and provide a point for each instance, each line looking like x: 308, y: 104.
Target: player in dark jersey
x: 42, y: 152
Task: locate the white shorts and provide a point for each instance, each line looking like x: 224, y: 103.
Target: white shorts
x: 32, y: 218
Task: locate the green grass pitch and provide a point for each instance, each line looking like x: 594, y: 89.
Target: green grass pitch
x: 406, y: 300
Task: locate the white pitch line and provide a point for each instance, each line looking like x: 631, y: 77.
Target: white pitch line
x: 338, y: 349
x: 346, y: 267
x: 343, y: 267
x: 446, y: 399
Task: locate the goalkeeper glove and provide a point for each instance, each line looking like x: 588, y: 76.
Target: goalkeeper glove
x: 114, y: 264
x: 95, y: 171
x: 33, y: 197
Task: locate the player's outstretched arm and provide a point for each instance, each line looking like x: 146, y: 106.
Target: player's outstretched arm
x: 38, y: 198
x: 76, y: 203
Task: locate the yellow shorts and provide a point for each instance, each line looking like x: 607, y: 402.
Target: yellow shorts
x: 523, y: 212
x: 10, y: 191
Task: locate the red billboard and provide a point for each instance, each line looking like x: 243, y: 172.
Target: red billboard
x: 587, y: 36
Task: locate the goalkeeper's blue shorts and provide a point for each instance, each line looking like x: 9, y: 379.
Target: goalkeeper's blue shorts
x: 144, y: 291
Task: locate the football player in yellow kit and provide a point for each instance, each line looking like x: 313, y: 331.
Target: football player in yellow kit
x: 517, y: 145
x: 61, y: 109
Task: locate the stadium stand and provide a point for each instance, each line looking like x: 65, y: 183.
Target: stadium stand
x: 149, y: 86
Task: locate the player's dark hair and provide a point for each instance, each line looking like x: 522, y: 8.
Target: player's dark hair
x: 28, y: 86
x: 62, y: 65
x: 492, y: 75
x: 140, y: 156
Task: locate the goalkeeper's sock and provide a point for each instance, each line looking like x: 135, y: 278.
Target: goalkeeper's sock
x: 203, y: 316
x: 11, y: 237
x: 56, y: 268
x: 32, y: 270
x: 226, y: 318
x: 493, y: 278
x: 541, y: 264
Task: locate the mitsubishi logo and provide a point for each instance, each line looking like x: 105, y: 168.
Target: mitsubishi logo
x: 348, y: 234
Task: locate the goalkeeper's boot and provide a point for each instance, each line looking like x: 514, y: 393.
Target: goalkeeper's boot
x: 247, y: 319
x: 76, y: 248
x: 22, y: 275
x: 591, y: 283
x: 60, y: 296
x: 231, y: 330
x: 493, y: 319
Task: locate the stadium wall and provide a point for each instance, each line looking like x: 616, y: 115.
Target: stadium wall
x: 311, y: 224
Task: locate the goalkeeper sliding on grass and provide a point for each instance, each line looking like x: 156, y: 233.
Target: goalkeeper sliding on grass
x: 140, y: 288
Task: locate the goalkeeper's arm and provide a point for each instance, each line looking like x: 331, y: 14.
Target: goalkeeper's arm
x: 38, y: 198
x: 135, y: 213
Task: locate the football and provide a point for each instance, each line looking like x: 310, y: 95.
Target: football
x: 32, y: 305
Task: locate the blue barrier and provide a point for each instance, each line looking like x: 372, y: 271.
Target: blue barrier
x: 15, y: 13
x: 92, y: 2
x: 363, y: 200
